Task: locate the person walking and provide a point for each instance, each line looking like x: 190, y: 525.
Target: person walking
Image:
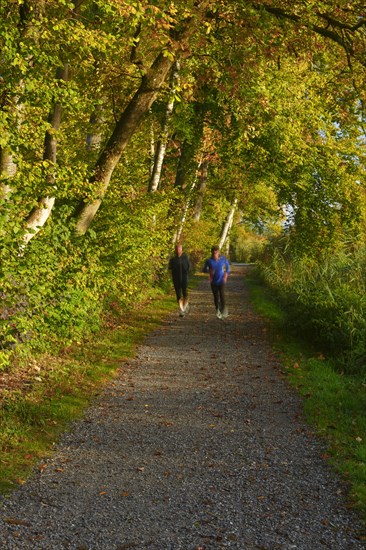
x: 218, y: 268
x: 180, y: 266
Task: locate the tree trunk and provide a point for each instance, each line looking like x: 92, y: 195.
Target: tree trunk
x: 94, y: 137
x: 152, y: 148
x: 229, y: 222
x: 125, y: 128
x: 29, y: 12
x: 8, y: 169
x: 39, y: 215
x: 186, y: 166
x: 179, y: 231
x: 162, y: 142
x: 202, y: 190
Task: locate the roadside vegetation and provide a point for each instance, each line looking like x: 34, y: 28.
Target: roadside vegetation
x: 41, y: 396
x: 331, y: 381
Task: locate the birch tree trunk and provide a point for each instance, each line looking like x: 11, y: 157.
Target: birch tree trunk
x: 180, y: 176
x: 39, y: 215
x: 179, y: 231
x: 94, y: 138
x: 163, y: 140
x: 7, y: 171
x: 186, y: 166
x: 202, y: 190
x: 152, y: 148
x: 125, y: 128
x: 229, y: 222
x: 29, y: 12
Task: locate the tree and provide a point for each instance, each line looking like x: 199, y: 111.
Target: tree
x: 270, y: 110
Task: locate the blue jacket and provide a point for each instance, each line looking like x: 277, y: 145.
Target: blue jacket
x: 217, y: 268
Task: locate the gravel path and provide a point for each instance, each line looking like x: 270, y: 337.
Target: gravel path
x: 199, y: 444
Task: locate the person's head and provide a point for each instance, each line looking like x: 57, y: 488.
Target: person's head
x: 178, y: 249
x: 215, y: 252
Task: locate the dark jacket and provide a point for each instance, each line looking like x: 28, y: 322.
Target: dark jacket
x: 180, y: 267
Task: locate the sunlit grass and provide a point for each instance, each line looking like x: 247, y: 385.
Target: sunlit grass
x: 33, y: 415
x: 334, y: 402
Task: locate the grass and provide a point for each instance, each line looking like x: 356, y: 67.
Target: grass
x: 43, y: 395
x: 334, y: 403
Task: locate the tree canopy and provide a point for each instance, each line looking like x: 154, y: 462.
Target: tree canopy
x: 265, y: 112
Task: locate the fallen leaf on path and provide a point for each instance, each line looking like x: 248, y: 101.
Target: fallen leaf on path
x: 14, y: 521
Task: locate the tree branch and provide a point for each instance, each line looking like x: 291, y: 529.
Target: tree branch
x: 323, y: 31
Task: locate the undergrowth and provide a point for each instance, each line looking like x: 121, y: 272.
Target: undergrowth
x: 43, y: 394
x: 334, y: 401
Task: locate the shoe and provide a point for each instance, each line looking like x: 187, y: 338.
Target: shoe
x: 225, y: 313
x: 186, y: 308
x: 218, y: 314
x: 181, y: 313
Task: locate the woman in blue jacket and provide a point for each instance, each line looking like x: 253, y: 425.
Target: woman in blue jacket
x: 218, y: 268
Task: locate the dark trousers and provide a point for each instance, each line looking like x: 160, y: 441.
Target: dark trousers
x: 219, y: 296
x: 180, y: 287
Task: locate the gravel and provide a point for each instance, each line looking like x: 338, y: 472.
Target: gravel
x: 198, y: 444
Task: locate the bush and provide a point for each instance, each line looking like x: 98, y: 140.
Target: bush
x: 324, y: 300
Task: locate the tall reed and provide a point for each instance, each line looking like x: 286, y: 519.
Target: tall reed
x: 325, y: 299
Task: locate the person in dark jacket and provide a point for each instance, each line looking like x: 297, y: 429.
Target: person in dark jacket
x: 180, y: 266
x: 218, y: 268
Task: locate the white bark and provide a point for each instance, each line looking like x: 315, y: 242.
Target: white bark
x: 162, y: 142
x: 94, y: 139
x: 179, y: 231
x: 202, y: 190
x: 229, y: 222
x: 41, y: 213
x: 126, y: 126
x: 152, y: 149
x: 8, y: 169
x: 38, y: 218
x: 29, y: 12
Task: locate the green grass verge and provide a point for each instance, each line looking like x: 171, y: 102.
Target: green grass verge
x: 43, y: 397
x: 334, y: 403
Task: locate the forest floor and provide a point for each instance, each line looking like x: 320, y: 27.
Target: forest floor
x: 199, y: 443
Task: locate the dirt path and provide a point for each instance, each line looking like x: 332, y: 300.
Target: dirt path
x: 199, y: 444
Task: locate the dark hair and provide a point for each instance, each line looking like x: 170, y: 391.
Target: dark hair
x: 214, y: 248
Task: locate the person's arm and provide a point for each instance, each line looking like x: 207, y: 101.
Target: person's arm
x: 227, y: 270
x: 189, y: 264
x: 209, y: 269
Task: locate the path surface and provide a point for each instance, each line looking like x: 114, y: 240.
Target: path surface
x: 199, y: 444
